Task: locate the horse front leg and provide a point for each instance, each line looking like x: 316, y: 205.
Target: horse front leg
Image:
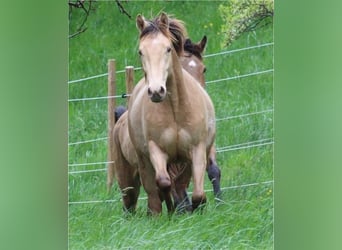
x: 159, y: 161
x: 199, y: 163
x: 147, y: 177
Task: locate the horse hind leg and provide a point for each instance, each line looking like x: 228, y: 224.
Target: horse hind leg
x: 214, y: 174
x: 168, y: 201
x: 128, y: 179
x: 130, y: 194
x: 180, y: 175
x: 182, y: 202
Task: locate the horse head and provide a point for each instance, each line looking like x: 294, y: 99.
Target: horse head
x: 192, y: 60
x: 159, y: 40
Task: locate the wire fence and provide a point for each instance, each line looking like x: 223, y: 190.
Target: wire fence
x: 217, y: 120
x: 207, y: 82
x: 205, y: 56
x: 145, y: 198
x: 241, y: 146
x: 245, y: 145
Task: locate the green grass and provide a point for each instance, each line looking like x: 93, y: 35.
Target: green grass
x: 244, y: 220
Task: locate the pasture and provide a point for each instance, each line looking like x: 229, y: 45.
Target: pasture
x: 244, y: 140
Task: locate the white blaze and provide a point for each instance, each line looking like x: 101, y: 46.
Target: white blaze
x: 192, y: 63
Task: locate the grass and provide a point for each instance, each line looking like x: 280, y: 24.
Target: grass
x: 244, y: 219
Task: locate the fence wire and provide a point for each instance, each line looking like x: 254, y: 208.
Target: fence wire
x: 205, y: 56
x: 145, y: 198
x: 217, y: 120
x: 246, y: 145
x: 258, y: 143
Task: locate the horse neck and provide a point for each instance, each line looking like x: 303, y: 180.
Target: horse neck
x: 176, y: 87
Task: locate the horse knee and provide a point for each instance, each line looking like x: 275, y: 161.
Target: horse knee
x: 164, y: 183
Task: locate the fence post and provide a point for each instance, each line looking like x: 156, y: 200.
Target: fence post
x: 129, y: 81
x: 111, y: 118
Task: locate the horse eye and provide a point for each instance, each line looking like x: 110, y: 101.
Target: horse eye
x: 204, y: 70
x: 168, y: 50
x: 140, y: 54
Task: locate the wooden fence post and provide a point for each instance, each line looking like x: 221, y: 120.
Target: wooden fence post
x: 129, y: 81
x: 111, y: 118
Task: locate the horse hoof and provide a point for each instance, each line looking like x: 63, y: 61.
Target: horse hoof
x: 197, y: 202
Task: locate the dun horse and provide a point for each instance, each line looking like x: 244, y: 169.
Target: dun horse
x: 125, y: 159
x: 192, y: 62
x: 171, y: 119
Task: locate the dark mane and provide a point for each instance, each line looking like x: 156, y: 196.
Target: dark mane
x: 193, y: 48
x: 176, y: 31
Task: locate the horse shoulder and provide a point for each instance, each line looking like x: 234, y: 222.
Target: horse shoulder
x: 206, y: 103
x: 201, y: 121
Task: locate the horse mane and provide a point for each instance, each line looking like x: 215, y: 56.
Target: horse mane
x: 193, y: 48
x: 175, y: 31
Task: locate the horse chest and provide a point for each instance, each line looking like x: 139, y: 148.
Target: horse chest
x: 175, y: 141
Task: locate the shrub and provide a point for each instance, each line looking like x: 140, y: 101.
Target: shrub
x: 242, y: 16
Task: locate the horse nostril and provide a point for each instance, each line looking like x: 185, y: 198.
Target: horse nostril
x: 162, y: 90
x: 149, y: 92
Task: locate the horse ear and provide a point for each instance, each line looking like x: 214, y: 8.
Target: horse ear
x: 203, y: 43
x: 140, y: 22
x: 164, y: 19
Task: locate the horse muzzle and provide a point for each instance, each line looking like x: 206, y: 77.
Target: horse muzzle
x: 156, y: 95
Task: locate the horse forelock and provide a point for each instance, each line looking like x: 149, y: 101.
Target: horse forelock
x: 193, y: 48
x: 175, y: 31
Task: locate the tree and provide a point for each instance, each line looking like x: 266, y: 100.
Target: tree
x: 242, y: 16
x: 86, y: 6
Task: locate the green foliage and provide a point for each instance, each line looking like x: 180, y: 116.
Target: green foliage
x: 242, y: 16
x: 244, y: 219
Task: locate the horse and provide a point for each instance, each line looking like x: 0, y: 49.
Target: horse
x: 125, y: 160
x: 192, y: 61
x: 166, y: 124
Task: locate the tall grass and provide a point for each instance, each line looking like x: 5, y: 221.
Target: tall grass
x: 244, y: 218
